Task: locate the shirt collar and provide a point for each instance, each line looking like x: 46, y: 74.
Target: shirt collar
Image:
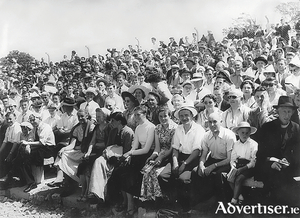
x: 220, y: 135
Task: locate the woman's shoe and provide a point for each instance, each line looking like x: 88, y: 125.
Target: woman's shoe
x: 30, y: 187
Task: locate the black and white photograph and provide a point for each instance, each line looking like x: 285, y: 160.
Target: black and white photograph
x: 149, y: 109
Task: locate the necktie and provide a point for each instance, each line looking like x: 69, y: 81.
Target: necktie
x: 197, y: 95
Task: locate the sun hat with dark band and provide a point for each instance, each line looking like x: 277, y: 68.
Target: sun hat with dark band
x: 244, y: 124
x: 190, y: 108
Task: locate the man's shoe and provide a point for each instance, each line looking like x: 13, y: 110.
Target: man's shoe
x: 30, y: 187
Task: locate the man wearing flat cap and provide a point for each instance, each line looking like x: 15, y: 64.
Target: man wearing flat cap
x: 278, y: 154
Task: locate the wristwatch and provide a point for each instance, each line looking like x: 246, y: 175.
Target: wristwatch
x: 184, y: 163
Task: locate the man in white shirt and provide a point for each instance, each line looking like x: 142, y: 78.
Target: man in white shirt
x: 217, y: 145
x: 90, y: 105
x: 24, y: 116
x: 186, y: 151
x: 110, y: 88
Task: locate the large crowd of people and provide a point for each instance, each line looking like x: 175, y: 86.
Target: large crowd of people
x: 175, y: 122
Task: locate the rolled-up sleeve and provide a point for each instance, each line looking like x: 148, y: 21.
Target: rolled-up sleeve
x: 176, y: 140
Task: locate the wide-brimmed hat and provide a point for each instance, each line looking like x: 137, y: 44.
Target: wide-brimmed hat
x: 186, y: 107
x: 295, y: 61
x: 197, y: 77
x: 285, y: 101
x: 186, y: 83
x: 91, y: 90
x: 27, y: 124
x: 131, y: 96
x: 156, y: 95
x: 225, y: 75
x: 261, y: 58
x: 269, y: 69
x: 174, y: 66
x: 244, y: 124
x: 235, y: 92
x: 141, y: 87
x: 102, y: 80
x: 68, y: 102
x: 123, y: 72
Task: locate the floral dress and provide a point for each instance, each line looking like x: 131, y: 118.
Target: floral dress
x: 150, y: 187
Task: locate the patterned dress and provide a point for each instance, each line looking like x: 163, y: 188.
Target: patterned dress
x: 150, y: 187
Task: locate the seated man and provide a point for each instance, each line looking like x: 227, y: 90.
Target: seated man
x: 278, y: 154
x: 36, y: 150
x: 217, y: 145
x: 9, y: 147
x: 186, y: 150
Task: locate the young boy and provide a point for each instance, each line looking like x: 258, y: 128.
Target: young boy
x: 243, y: 159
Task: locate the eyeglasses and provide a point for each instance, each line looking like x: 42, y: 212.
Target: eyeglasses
x: 208, y: 102
x: 232, y: 97
x: 269, y: 85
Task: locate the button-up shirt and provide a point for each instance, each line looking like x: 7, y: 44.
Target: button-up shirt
x: 246, y: 150
x: 13, y: 133
x: 45, y: 134
x: 231, y: 120
x: 67, y: 122
x: 219, y: 146
x: 91, y: 108
x: 188, y: 142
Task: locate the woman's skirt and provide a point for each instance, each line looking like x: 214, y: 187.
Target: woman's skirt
x: 69, y: 162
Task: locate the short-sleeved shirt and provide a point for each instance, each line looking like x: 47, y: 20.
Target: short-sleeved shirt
x: 246, y: 150
x: 13, y: 133
x: 45, y: 134
x: 220, y: 145
x: 67, y: 122
x: 186, y: 143
x: 231, y: 120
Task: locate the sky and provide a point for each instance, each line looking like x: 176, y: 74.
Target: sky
x: 57, y: 27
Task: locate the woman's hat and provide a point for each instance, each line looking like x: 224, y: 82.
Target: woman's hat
x: 123, y: 72
x: 102, y: 80
x: 131, y: 96
x: 157, y: 96
x: 68, y: 102
x: 285, y: 101
x: 190, y: 108
x: 27, y: 124
x: 244, y: 124
x: 135, y: 87
x: 191, y: 60
x: 261, y: 58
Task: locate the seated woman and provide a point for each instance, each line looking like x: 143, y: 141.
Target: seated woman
x: 119, y: 141
x: 95, y: 150
x: 209, y: 102
x: 129, y: 177
x: 71, y: 156
x: 130, y: 102
x: 243, y: 159
x: 164, y: 133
